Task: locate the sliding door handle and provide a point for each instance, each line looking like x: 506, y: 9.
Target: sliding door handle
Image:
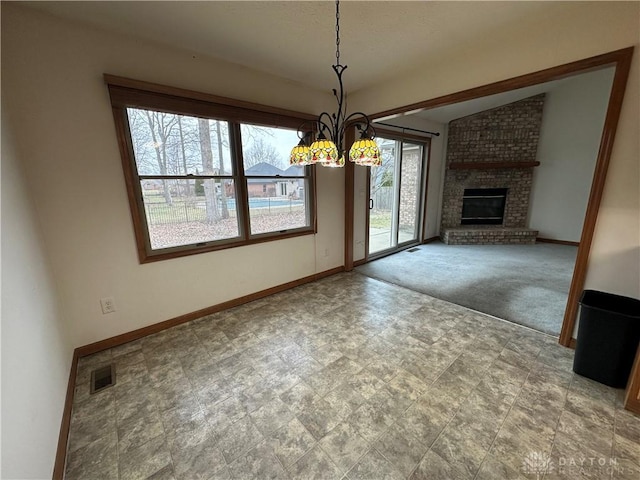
x: 371, y: 204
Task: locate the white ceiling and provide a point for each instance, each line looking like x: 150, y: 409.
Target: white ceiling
x: 296, y: 39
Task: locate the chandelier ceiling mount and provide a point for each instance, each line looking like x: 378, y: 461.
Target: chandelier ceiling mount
x: 328, y: 148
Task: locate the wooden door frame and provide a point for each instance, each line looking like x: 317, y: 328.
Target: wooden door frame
x: 621, y: 60
x: 632, y: 396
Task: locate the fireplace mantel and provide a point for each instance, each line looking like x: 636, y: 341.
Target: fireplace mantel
x: 490, y: 165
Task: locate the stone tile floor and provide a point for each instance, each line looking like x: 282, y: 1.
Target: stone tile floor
x: 348, y: 378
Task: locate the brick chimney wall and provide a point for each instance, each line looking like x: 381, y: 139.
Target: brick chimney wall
x: 505, y: 134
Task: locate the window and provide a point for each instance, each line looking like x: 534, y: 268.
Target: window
x: 205, y: 175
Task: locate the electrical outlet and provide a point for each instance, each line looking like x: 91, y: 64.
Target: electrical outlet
x: 108, y: 305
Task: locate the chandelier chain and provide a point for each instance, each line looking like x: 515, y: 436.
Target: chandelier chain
x: 330, y: 151
x: 337, y: 32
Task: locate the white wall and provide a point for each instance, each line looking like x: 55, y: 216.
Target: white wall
x: 36, y: 352
x: 578, y: 31
x: 59, y: 108
x: 570, y: 134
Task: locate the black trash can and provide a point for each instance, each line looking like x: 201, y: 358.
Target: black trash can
x: 608, y: 337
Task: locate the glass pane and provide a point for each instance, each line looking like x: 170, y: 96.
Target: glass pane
x: 277, y: 204
x: 266, y: 150
x: 189, y: 211
x: 409, y: 192
x: 383, y: 188
x: 170, y: 144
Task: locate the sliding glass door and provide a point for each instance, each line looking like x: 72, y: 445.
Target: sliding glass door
x: 395, y: 196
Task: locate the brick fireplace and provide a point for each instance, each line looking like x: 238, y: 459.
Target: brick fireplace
x: 494, y: 150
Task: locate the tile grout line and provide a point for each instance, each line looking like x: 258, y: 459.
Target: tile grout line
x: 316, y: 443
x: 555, y: 431
x: 159, y: 415
x: 443, y: 428
x: 369, y: 444
x: 504, y: 420
x: 446, y: 425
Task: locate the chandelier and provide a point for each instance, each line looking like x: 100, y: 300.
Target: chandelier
x: 328, y: 148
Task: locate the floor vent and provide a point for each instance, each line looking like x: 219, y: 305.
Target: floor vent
x: 414, y: 249
x: 102, y: 378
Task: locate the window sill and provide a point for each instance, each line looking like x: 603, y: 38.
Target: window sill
x: 176, y: 252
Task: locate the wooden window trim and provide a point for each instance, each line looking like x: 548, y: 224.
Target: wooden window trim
x: 139, y: 85
x: 126, y: 93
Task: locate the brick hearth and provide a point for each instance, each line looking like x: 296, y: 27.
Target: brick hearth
x: 488, y: 235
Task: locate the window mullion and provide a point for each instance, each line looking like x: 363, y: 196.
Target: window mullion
x: 183, y: 177
x: 243, y: 194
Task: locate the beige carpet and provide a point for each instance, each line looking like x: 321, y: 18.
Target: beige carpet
x: 525, y: 284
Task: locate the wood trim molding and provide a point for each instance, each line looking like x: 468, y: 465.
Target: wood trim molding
x: 349, y: 201
x: 63, y: 437
x: 621, y: 59
x: 526, y: 80
x: 572, y: 343
x: 158, y: 327
x: 623, y: 64
x: 129, y: 83
x: 426, y: 163
x: 490, y: 165
x: 557, y: 242
x: 367, y: 217
x: 632, y: 396
x: 430, y: 239
x: 357, y: 263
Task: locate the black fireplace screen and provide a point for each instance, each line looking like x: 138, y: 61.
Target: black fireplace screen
x: 483, y: 206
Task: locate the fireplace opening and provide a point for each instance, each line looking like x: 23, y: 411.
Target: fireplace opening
x: 483, y: 206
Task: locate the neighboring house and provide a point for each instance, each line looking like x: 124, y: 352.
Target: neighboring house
x: 293, y: 188
x: 269, y: 181
x: 265, y: 186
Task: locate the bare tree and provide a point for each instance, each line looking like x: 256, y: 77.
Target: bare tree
x: 145, y: 157
x: 382, y: 176
x: 184, y: 155
x: 170, y: 144
x: 206, y: 153
x: 161, y: 126
x: 223, y: 189
x: 261, y: 151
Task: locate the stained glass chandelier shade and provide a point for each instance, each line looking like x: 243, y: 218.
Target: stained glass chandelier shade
x: 300, y: 154
x: 328, y: 149
x: 365, y: 152
x: 323, y: 151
